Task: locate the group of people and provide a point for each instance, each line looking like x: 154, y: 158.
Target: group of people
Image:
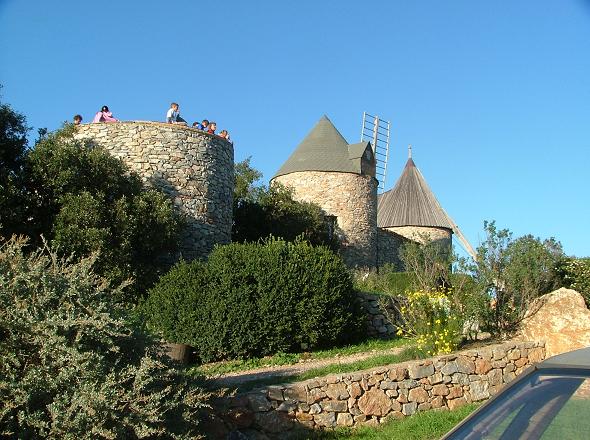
x: 172, y: 117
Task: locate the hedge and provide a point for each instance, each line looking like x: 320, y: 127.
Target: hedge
x: 256, y: 299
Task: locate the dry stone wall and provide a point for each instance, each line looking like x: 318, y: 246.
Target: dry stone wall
x: 377, y: 322
x: 372, y: 397
x: 193, y: 167
x: 352, y: 198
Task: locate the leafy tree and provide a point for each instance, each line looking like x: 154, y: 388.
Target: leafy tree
x: 513, y: 273
x: 13, y: 148
x: 575, y: 273
x: 72, y: 365
x: 83, y: 200
x: 261, y: 211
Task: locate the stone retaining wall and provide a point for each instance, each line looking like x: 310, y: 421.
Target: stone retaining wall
x: 374, y: 396
x: 193, y: 167
x: 377, y: 323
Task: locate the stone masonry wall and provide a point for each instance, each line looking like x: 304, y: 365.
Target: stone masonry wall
x: 194, y: 168
x: 377, y: 323
x: 374, y: 396
x: 352, y: 198
x: 388, y: 245
x: 415, y: 233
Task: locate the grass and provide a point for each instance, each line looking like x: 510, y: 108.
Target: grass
x: 409, y: 353
x: 372, y: 345
x: 421, y: 426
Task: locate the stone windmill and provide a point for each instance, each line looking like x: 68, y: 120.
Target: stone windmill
x: 410, y: 209
x: 340, y: 177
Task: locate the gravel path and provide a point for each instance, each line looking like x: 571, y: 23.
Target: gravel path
x: 239, y: 377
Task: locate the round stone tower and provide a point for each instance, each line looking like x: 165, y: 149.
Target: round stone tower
x: 194, y: 168
x: 326, y: 170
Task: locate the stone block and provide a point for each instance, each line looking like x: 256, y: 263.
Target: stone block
x: 418, y: 371
x: 374, y: 402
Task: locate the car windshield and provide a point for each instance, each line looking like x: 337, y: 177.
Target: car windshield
x: 549, y: 404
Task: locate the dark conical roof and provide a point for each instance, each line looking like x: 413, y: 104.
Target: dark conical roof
x: 411, y: 203
x: 323, y: 149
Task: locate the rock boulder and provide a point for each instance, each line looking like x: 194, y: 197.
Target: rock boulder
x: 559, y: 318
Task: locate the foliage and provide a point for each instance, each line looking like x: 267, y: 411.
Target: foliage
x: 13, y: 148
x: 245, y: 188
x: 386, y: 280
x: 429, y: 261
x: 85, y: 201
x: 512, y: 273
x: 72, y: 366
x: 260, y: 212
x: 575, y: 273
x: 256, y: 299
x: 428, y: 316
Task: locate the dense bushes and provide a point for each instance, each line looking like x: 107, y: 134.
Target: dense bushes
x: 256, y: 299
x: 576, y: 275
x: 71, y: 365
x: 83, y: 200
x: 261, y: 211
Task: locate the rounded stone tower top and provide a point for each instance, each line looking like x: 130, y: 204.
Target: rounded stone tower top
x: 325, y: 149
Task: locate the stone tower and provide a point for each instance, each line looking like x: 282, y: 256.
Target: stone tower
x: 339, y: 177
x: 410, y: 211
x: 193, y: 167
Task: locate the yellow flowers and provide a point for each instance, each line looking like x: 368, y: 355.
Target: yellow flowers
x: 427, y: 316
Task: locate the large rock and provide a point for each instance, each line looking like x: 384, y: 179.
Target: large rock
x: 559, y: 318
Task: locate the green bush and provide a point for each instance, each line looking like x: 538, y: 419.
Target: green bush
x: 255, y: 300
x: 261, y: 211
x: 71, y: 364
x: 83, y: 201
x: 575, y: 273
x: 388, y: 281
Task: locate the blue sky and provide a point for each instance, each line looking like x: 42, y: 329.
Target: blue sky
x: 494, y: 96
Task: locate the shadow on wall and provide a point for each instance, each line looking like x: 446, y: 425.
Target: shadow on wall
x: 194, y: 203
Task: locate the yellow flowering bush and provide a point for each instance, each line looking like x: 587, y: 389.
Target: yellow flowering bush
x: 428, y: 317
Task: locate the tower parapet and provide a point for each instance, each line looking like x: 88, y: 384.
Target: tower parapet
x: 194, y: 168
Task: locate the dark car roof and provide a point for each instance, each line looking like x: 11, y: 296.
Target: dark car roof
x: 573, y: 359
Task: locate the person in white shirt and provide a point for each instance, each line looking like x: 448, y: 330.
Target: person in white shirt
x: 173, y: 115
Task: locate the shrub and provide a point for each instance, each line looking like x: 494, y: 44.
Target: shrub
x: 576, y: 275
x: 261, y: 211
x: 428, y: 316
x: 85, y: 201
x: 387, y: 281
x: 255, y: 300
x: 72, y: 365
x: 513, y: 273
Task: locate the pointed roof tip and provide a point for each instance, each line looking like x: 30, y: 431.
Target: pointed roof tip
x: 411, y: 202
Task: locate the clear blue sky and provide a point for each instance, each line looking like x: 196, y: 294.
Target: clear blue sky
x: 494, y: 96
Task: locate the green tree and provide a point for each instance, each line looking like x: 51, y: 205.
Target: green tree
x: 261, y: 211
x: 72, y: 365
x: 83, y: 200
x: 13, y: 148
x: 256, y: 299
x: 513, y: 273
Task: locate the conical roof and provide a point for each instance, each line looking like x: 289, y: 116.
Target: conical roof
x: 411, y: 203
x: 323, y: 149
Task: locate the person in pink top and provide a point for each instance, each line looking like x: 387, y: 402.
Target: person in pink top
x: 104, y: 115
